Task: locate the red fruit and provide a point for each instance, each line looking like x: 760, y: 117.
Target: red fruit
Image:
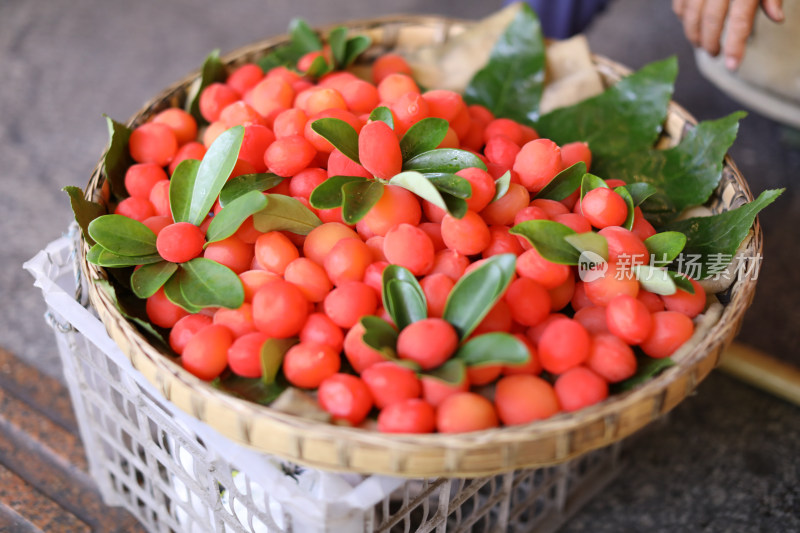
x: 184, y: 329
x: 611, y: 358
x: 468, y: 235
x: 391, y: 383
x: 214, y: 99
x: 162, y: 312
x: 537, y: 163
x: 408, y: 416
x: 629, y: 319
x: 180, y: 242
x: 528, y: 301
x: 465, y: 411
x: 573, y: 152
x: 206, y: 354
x: 359, y: 354
x: 308, y: 364
x: 409, y: 247
x: 429, y: 342
x: 670, y: 330
x: 140, y: 178
x: 524, y: 398
x: 244, y: 355
x: 348, y: 302
x: 684, y: 302
x: 346, y: 397
x: 379, y: 150
x: 580, y: 387
x: 280, y: 309
x: 564, y: 344
x: 289, y: 155
x: 603, y: 207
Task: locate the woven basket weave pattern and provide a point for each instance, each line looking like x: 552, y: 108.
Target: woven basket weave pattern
x: 467, y: 455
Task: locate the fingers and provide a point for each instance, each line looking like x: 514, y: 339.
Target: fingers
x: 713, y: 20
x: 773, y: 9
x: 740, y: 24
x: 677, y: 7
x: 692, y: 15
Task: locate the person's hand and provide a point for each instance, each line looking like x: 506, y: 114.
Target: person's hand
x: 703, y: 21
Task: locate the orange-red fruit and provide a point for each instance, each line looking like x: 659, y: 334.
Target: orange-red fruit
x: 359, y: 354
x: 308, y: 364
x: 323, y: 238
x: 684, y: 302
x: 564, y: 344
x: 503, y: 210
x: 629, y: 319
x: 162, y: 312
x: 180, y: 242
x: 580, y: 387
x: 465, y: 411
x: 528, y: 301
x: 573, y: 152
x: 537, y: 163
x: 244, y: 355
x: 184, y: 329
x: 232, y: 252
x: 396, y: 206
x: 468, y: 235
x: 379, y: 150
x: 603, y: 207
x: 214, y: 99
x: 182, y: 124
x: 274, y: 251
x: 670, y: 330
x: 289, y: 155
x: 429, y: 342
x: 140, y: 178
x: 391, y: 383
x: 409, y: 247
x: 611, y: 358
x: 524, y: 398
x: 280, y: 309
x: 321, y: 329
x: 345, y: 397
x: 389, y: 64
x: 206, y: 354
x: 483, y: 187
x: 348, y: 302
x: 136, y: 208
x: 408, y: 416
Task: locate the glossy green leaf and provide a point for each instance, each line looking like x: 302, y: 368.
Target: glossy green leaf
x: 382, y: 114
x: 172, y: 290
x: 337, y: 40
x: 548, y: 238
x: 181, y: 187
x: 474, y: 295
x: 403, y: 303
x: 146, y: 280
x: 117, y: 158
x: 318, y: 68
x: 84, y: 210
x: 626, y: 117
x: 501, y: 185
x: 589, y: 242
x: 359, y: 197
x: 355, y: 47
x: 284, y: 213
x: 564, y: 183
x: 340, y: 134
x: 623, y: 192
x: 456, y: 207
x: 683, y: 176
x: 707, y: 237
x: 100, y: 256
x: 425, y: 189
x: 213, y: 71
x: 303, y: 37
x: 511, y: 83
x: 451, y: 184
x: 328, y: 194
x: 230, y: 218
x: 241, y: 185
x: 213, y: 173
x: 640, y: 192
x: 380, y: 335
x: 206, y: 283
x: 493, y: 348
x: 134, y: 310
x: 423, y: 136
x: 589, y: 182
x: 122, y: 235
x: 655, y: 280
x: 443, y: 160
x: 681, y: 281
x: 452, y: 372
x: 272, y: 354
x: 664, y: 247
x: 250, y: 389
x: 647, y: 369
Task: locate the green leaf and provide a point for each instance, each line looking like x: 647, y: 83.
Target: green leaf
x: 230, y: 218
x: 355, y: 47
x: 664, y: 247
x: 172, y: 290
x: 84, y: 210
x: 302, y: 40
x: 511, y: 83
x: 122, y: 235
x: 328, y: 194
x: 589, y: 242
x: 340, y: 134
x: 443, y: 160
x: 707, y: 237
x: 625, y: 118
x: 493, y: 348
x: 683, y: 176
x: 590, y: 182
x: 474, y: 295
x: 358, y: 199
x: 681, y: 281
x: 564, y: 183
x: 134, y: 310
x: 284, y: 213
x: 117, y: 158
x: 213, y: 71
x: 501, y: 185
x: 647, y: 369
x: 380, y: 335
x: 425, y: 189
x: 640, y: 192
x: 318, y: 68
x: 241, y: 185
x: 206, y: 283
x: 623, y: 191
x: 213, y: 172
x: 402, y: 296
x: 423, y: 136
x: 272, y: 354
x: 337, y: 40
x: 303, y: 37
x: 451, y: 184
x: 548, y: 238
x: 181, y: 186
x: 452, y: 372
x: 383, y: 114
x: 655, y: 280
x: 250, y: 389
x: 146, y: 281
x: 99, y: 256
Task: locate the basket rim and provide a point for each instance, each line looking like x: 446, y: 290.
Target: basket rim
x: 568, y: 434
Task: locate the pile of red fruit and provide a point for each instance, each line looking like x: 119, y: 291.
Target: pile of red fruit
x: 316, y: 288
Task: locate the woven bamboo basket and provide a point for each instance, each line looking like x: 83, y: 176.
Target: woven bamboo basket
x: 339, y: 448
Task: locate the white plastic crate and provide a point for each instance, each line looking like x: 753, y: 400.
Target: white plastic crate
x: 174, y: 473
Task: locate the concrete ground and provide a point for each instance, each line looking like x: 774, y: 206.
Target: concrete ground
x: 726, y: 459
